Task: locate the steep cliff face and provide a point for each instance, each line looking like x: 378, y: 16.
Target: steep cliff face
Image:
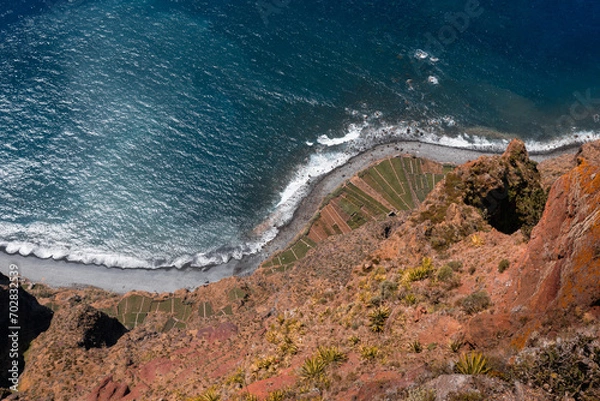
x: 78, y: 336
x: 560, y: 271
x: 32, y: 318
x: 400, y: 299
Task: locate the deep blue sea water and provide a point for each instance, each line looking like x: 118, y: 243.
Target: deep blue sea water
x: 148, y: 133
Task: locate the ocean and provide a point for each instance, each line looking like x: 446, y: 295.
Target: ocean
x: 155, y: 133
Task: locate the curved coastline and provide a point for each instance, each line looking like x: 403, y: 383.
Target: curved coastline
x: 63, y: 273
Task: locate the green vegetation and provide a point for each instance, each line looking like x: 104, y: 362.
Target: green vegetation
x: 410, y: 299
x: 388, y: 289
x: 444, y: 273
x: 455, y: 265
x: 133, y: 309
x: 266, y: 365
x: 353, y: 340
x: 313, y: 369
x: 377, y: 318
x: 564, y: 369
x: 209, y: 395
x: 369, y: 352
x: 284, y: 333
x: 472, y: 363
x: 420, y: 272
x: 503, y: 265
x: 476, y: 302
x: 238, y: 378
x: 331, y: 355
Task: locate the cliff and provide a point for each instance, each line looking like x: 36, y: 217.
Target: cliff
x: 462, y: 294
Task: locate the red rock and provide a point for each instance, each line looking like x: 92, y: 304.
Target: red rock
x: 561, y: 267
x: 157, y: 367
x: 220, y: 332
x: 108, y: 390
x: 486, y: 330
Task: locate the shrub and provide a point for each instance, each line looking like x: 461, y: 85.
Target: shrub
x: 455, y: 265
x: 369, y: 352
x: 476, y: 302
x: 387, y: 289
x: 503, y: 265
x: 564, y: 368
x: 444, y: 273
x: 378, y: 317
x: 472, y: 363
x: 313, y: 369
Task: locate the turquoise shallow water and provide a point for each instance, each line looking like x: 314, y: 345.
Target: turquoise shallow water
x: 155, y: 133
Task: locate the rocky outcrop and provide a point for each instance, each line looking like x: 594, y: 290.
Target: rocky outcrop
x: 90, y: 328
x: 560, y: 270
x: 507, y: 189
x: 31, y: 318
x: 503, y: 192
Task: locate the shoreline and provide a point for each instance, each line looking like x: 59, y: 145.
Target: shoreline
x: 62, y: 273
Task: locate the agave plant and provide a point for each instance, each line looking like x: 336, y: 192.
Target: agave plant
x: 455, y: 345
x: 369, y: 352
x: 378, y: 317
x: 472, y: 363
x: 209, y: 395
x: 313, y: 368
x: 415, y: 346
x: 331, y: 355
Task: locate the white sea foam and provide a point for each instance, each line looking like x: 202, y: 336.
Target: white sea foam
x: 421, y: 54
x: 357, y: 138
x: 353, y: 134
x: 433, y: 80
x: 318, y: 165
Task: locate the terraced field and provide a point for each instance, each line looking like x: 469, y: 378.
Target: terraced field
x: 133, y: 309
x: 392, y: 185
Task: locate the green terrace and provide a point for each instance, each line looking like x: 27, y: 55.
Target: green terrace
x: 392, y: 185
x: 133, y: 310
